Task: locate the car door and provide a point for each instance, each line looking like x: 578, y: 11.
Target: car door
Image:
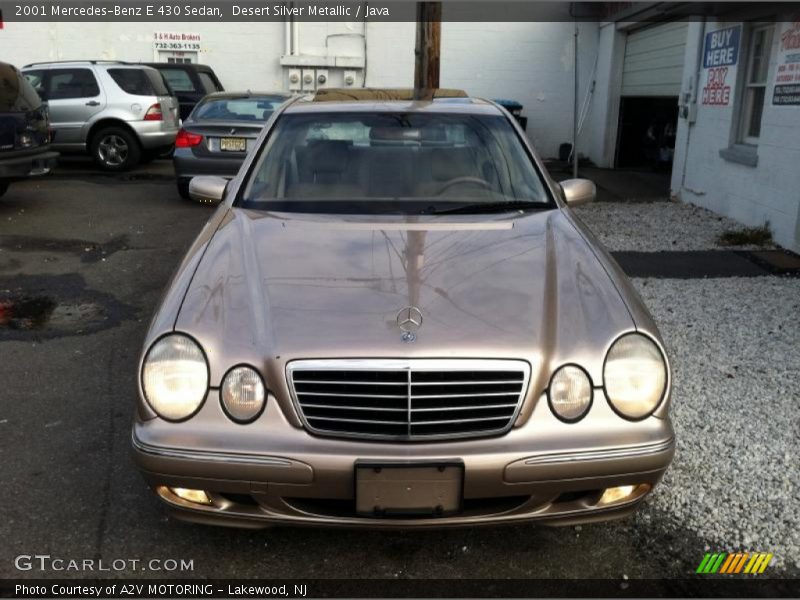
x: 74, y: 97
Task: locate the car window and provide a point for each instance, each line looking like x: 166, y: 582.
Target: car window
x: 157, y: 81
x: 258, y: 108
x: 71, y: 83
x: 36, y: 79
x: 16, y: 93
x: 133, y: 81
x: 391, y: 162
x: 179, y: 80
x: 209, y: 83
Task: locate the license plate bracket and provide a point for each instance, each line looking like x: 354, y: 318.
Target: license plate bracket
x: 233, y: 144
x: 397, y: 490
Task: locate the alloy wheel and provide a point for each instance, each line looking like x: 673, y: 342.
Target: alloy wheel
x: 113, y: 150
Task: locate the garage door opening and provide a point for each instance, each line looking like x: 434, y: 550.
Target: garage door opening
x: 647, y: 128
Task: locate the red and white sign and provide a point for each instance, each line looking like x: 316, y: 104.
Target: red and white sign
x: 716, y: 92
x: 787, y: 72
x: 177, y: 41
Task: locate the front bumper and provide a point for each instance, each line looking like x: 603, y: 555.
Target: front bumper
x: 29, y: 165
x: 271, y: 472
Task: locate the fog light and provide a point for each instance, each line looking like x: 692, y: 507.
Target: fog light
x: 195, y: 496
x: 616, y: 494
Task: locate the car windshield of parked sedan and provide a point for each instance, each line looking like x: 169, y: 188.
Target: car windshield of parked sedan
x: 408, y: 163
x: 246, y: 108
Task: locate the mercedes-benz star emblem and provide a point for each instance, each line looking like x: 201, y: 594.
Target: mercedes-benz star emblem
x: 409, y: 320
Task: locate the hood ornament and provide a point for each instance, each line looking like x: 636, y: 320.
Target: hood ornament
x: 409, y: 320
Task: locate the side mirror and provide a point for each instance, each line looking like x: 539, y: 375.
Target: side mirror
x: 578, y: 191
x: 208, y: 190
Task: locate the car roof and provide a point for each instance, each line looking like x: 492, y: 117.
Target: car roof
x: 245, y: 94
x: 83, y: 63
x: 184, y: 66
x: 453, y: 105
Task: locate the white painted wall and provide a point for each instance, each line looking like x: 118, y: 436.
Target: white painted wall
x: 528, y: 62
x: 768, y: 192
x: 244, y: 55
x: 600, y: 130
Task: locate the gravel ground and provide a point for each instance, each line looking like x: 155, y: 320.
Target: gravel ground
x: 734, y: 348
x: 654, y: 226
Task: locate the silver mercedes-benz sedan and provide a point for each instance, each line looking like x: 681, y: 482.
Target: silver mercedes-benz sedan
x: 394, y: 319
x: 218, y: 134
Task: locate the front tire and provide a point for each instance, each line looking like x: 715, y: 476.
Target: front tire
x: 115, y: 149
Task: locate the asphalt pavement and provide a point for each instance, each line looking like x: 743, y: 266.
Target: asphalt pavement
x: 104, y: 247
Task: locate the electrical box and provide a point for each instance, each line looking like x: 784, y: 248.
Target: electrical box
x: 322, y: 78
x: 295, y: 80
x: 349, y: 78
x: 309, y: 80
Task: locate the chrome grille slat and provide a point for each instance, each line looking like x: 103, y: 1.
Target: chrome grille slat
x: 445, y: 421
x: 437, y: 399
x: 451, y: 408
x: 394, y: 383
x: 340, y: 420
x: 335, y: 407
x: 463, y: 382
x: 482, y: 394
x: 352, y: 395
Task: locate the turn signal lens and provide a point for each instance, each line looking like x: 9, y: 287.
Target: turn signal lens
x: 175, y: 377
x: 243, y: 394
x: 570, y: 393
x: 186, y: 139
x: 635, y: 376
x: 154, y: 113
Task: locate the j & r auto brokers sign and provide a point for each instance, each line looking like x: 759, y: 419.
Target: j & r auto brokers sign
x: 721, y: 51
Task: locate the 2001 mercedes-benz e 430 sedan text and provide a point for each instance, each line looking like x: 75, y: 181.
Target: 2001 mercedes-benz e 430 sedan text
x: 394, y: 319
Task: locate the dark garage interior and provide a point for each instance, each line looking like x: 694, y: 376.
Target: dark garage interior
x: 647, y: 128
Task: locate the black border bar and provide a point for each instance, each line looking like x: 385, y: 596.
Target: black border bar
x: 218, y: 11
x: 755, y: 586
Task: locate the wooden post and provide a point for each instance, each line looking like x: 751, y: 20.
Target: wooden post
x: 428, y: 49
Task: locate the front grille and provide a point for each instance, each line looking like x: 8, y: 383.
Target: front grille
x: 408, y: 399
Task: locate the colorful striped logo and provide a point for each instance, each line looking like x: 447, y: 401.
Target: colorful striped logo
x: 739, y: 562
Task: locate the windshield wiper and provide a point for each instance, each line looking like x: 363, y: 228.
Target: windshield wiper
x: 482, y: 207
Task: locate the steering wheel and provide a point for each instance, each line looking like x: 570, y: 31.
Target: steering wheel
x: 467, y: 179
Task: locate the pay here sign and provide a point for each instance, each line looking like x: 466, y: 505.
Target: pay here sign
x: 721, y: 51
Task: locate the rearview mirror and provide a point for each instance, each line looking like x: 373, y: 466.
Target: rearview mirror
x: 578, y: 191
x: 209, y: 190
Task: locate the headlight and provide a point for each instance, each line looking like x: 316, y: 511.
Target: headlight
x: 175, y: 377
x: 570, y: 393
x: 635, y: 376
x: 243, y: 394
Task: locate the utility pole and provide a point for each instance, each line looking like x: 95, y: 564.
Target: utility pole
x: 428, y: 49
x: 575, y: 110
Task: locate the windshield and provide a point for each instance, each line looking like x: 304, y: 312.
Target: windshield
x: 393, y: 163
x: 237, y: 109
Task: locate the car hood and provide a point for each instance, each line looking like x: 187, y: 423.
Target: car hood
x: 273, y: 287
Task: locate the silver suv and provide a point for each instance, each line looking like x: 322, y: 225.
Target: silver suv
x: 119, y: 113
